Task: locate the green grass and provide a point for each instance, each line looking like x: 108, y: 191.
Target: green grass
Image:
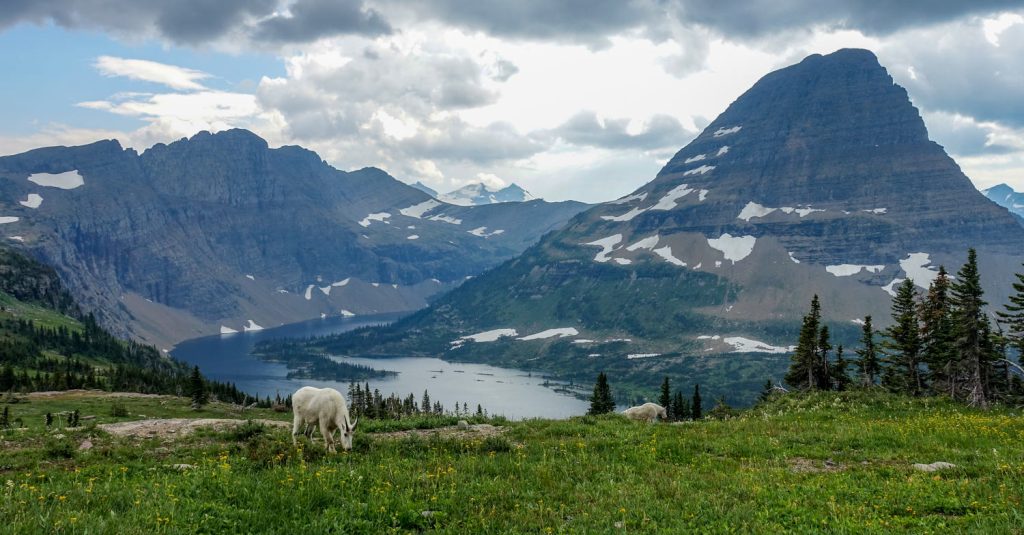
x: 764, y: 472
x: 42, y: 316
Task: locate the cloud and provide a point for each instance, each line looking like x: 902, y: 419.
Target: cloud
x: 587, y: 129
x: 309, y: 20
x: 150, y: 71
x: 455, y: 140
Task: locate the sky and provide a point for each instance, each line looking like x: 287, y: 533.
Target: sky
x: 571, y: 99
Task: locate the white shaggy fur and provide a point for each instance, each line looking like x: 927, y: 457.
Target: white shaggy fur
x: 324, y: 407
x: 647, y: 412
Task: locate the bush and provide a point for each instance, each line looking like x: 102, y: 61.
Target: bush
x: 246, y: 431
x: 118, y: 409
x: 59, y: 449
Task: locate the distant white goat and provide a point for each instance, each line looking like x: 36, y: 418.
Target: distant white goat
x: 647, y: 412
x: 324, y: 407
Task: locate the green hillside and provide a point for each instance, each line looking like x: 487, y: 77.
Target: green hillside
x: 801, y: 463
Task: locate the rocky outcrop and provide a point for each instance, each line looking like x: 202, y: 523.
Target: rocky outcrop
x: 221, y: 231
x: 1005, y: 196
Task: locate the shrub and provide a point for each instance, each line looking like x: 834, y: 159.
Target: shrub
x: 59, y: 449
x: 118, y: 409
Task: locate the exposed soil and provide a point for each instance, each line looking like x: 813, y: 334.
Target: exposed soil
x: 176, y: 427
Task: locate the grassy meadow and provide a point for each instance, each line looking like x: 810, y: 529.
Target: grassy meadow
x: 838, y: 463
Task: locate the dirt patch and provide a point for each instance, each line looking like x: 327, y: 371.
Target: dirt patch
x: 89, y: 393
x: 454, y: 431
x: 801, y: 465
x: 177, y: 427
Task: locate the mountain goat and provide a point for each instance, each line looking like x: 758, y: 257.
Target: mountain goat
x: 647, y: 412
x: 324, y: 407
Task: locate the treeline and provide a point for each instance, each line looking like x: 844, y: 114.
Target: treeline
x: 941, y: 342
x: 677, y: 406
x: 366, y: 403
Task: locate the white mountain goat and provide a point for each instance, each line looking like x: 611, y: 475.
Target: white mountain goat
x: 324, y: 407
x: 647, y: 412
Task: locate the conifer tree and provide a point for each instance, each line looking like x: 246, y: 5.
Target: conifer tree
x: 680, y: 407
x: 840, y: 376
x: 902, y: 346
x: 665, y: 399
x: 426, y: 401
x: 197, y: 389
x: 971, y: 330
x: 601, y: 401
x: 5, y: 418
x: 1013, y: 316
x: 867, y: 361
x: 823, y: 375
x: 804, y: 371
x: 766, y: 391
x: 937, y: 334
x: 695, y: 405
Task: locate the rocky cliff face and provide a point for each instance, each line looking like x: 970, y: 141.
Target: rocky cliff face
x: 220, y: 232
x: 480, y: 194
x: 820, y: 179
x: 1005, y: 196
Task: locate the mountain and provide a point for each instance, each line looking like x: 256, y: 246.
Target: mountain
x: 220, y: 233
x: 1006, y: 197
x: 425, y: 189
x: 480, y: 194
x: 820, y: 179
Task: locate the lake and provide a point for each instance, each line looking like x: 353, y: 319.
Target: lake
x: 515, y: 394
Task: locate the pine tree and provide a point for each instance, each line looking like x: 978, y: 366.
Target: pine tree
x: 867, y: 363
x: 971, y: 327
x: 665, y: 400
x: 197, y: 389
x: 426, y: 401
x: 840, y: 376
x: 766, y: 391
x: 695, y: 405
x: 5, y: 418
x: 601, y: 401
x: 902, y: 346
x: 823, y: 375
x: 804, y: 370
x: 937, y: 335
x: 1013, y: 316
x: 680, y: 407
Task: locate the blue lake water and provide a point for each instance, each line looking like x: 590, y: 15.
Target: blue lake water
x: 514, y: 393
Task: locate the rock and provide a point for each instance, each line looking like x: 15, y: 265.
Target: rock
x: 183, y: 466
x: 87, y: 418
x: 934, y: 467
x: 427, y: 514
x: 85, y: 445
x: 463, y: 425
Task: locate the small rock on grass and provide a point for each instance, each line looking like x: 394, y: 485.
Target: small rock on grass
x: 85, y: 445
x: 940, y: 465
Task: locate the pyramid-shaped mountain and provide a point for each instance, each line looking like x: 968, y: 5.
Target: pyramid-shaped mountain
x: 220, y: 233
x: 820, y: 179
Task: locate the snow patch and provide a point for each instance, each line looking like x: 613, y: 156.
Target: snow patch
x: 629, y: 198
x: 669, y: 201
x: 891, y: 287
x: 445, y: 219
x: 482, y: 232
x: 486, y: 336
x: 793, y: 258
x: 666, y: 253
x: 718, y: 263
x: 309, y: 292
x: 227, y: 330
x: 417, y: 210
x: 915, y: 266
x: 250, y: 277
x: 696, y: 158
x: 582, y: 341
x: 626, y: 216
x: 703, y: 195
x: 623, y: 261
x: 646, y: 243
x: 412, y: 237
x: 746, y: 345
x: 379, y: 216
x: 634, y: 356
x: 346, y: 313
x: 876, y: 210
x: 722, y: 151
x: 68, y: 180
x: 560, y: 332
x: 726, y: 131
x: 847, y: 270
x: 858, y: 321
x: 752, y: 209
x: 807, y: 211
x: 251, y: 326
x: 33, y: 200
x: 17, y: 238
x: 4, y: 219
x: 607, y: 245
x: 699, y: 170
x: 734, y: 248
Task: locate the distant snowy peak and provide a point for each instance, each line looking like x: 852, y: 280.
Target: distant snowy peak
x: 478, y: 194
x: 1005, y: 196
x: 425, y: 189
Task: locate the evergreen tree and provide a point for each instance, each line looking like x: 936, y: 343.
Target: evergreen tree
x: 601, y: 401
x: 840, y: 376
x: 680, y: 407
x: 695, y: 405
x: 902, y: 346
x: 971, y: 330
x: 5, y: 418
x: 937, y: 334
x: 823, y: 375
x: 867, y: 361
x: 766, y: 391
x: 1013, y: 316
x: 665, y: 399
x: 426, y: 401
x: 804, y: 372
x: 197, y: 389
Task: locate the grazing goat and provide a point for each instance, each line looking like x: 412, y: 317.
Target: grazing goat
x: 647, y: 412
x: 324, y: 407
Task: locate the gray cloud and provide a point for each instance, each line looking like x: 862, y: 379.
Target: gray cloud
x: 455, y: 140
x: 312, y: 19
x: 585, y: 129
